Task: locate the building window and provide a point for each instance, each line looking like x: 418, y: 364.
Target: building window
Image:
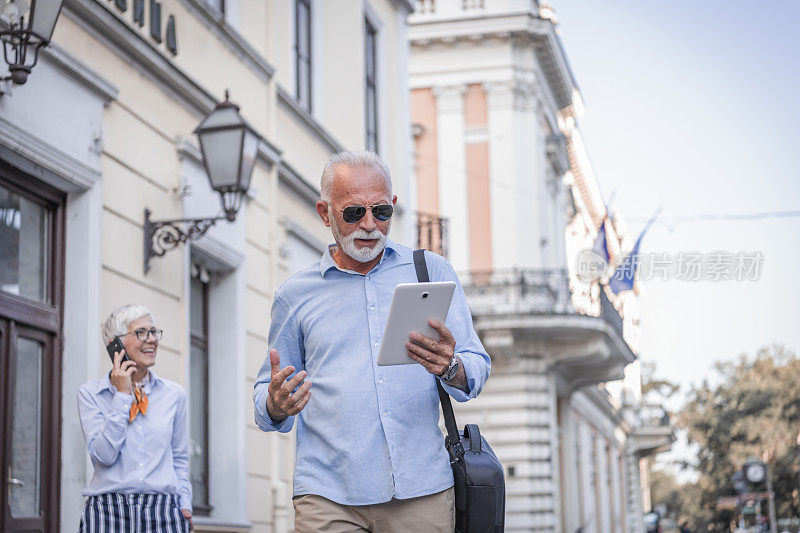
x: 370, y: 91
x: 198, y: 389
x: 302, y: 45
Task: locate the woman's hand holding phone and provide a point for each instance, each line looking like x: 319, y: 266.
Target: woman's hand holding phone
x: 121, y: 373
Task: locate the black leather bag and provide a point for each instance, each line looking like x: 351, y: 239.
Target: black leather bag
x: 480, y: 487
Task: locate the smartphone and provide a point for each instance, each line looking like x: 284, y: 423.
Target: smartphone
x: 116, y: 346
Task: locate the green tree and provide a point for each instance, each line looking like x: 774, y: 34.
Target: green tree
x: 682, y: 500
x: 748, y: 407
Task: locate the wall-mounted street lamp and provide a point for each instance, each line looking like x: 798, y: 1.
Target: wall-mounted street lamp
x: 229, y: 147
x: 31, y: 28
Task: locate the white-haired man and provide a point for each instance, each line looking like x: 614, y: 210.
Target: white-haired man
x: 370, y: 455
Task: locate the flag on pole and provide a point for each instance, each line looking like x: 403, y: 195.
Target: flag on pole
x: 600, y: 246
x: 624, y: 275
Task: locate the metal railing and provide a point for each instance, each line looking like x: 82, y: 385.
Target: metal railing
x: 426, y: 6
x: 533, y: 291
x: 432, y: 233
x: 654, y: 416
x: 518, y: 291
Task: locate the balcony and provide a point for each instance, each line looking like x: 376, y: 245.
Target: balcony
x: 655, y: 435
x: 461, y: 8
x: 532, y: 313
x: 432, y: 233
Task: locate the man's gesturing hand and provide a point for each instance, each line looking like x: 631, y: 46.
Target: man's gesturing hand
x: 281, y: 402
x: 434, y: 356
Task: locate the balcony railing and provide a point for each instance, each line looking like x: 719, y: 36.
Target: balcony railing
x: 535, y: 292
x: 432, y: 233
x: 518, y: 291
x: 654, y: 416
x: 450, y: 8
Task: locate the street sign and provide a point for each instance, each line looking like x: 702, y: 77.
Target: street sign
x: 757, y: 496
x: 730, y: 503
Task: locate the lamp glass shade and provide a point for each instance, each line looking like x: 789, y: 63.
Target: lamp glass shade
x: 222, y: 153
x: 43, y: 16
x: 249, y: 153
x: 221, y: 117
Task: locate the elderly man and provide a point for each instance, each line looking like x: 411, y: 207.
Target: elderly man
x: 370, y: 455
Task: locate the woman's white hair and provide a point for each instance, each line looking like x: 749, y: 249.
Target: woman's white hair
x: 350, y: 159
x: 121, y: 318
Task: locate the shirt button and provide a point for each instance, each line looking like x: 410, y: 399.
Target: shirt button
x: 371, y: 307
x: 377, y: 344
x: 380, y: 381
x: 386, y: 411
x: 141, y: 479
x: 141, y: 464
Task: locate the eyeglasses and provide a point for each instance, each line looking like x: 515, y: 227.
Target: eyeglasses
x: 143, y: 334
x: 353, y: 213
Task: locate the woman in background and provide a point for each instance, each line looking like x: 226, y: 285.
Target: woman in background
x: 134, y: 423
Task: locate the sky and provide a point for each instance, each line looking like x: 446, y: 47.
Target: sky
x: 693, y: 106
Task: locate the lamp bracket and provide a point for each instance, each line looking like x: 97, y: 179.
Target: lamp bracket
x: 161, y: 236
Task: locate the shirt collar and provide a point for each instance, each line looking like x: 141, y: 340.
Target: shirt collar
x: 392, y: 249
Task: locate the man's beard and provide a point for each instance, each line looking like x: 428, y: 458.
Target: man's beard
x: 348, y: 243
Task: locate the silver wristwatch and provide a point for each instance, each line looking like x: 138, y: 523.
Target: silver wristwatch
x: 451, y: 370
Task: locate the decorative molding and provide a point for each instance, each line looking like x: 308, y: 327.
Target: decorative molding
x: 215, y: 21
x: 294, y: 181
x: 556, y: 149
x: 305, y: 117
x: 41, y: 160
x: 519, y: 94
x: 406, y: 5
x: 80, y: 72
x: 499, y: 94
x: 218, y: 255
x: 450, y: 98
x: 520, y: 28
x: 130, y: 44
x: 188, y: 150
x: 304, y: 235
x: 476, y: 134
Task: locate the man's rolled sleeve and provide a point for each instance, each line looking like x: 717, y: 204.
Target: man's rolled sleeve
x: 263, y: 420
x: 469, y: 349
x: 476, y: 371
x: 284, y: 337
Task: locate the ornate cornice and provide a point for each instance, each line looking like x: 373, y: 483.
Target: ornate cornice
x: 215, y: 21
x: 309, y: 121
x: 519, y: 29
x: 449, y: 98
x: 41, y: 160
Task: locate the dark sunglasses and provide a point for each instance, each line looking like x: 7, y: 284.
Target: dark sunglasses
x: 353, y: 213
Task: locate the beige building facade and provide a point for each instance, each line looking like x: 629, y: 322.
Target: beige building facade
x: 102, y: 131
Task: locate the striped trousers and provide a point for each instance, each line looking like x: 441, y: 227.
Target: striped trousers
x: 133, y: 513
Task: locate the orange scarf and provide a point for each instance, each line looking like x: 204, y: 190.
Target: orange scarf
x: 140, y: 405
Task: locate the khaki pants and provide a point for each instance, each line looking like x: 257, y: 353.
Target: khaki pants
x: 434, y: 513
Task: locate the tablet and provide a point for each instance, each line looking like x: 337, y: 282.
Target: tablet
x: 413, y: 305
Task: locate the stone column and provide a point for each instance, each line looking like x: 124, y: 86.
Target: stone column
x: 502, y: 173
x: 452, y: 171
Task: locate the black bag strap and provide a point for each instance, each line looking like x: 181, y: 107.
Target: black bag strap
x: 447, y: 408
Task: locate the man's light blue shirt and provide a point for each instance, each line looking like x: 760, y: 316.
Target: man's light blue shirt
x: 147, y: 456
x: 369, y: 432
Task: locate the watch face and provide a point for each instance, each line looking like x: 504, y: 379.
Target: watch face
x: 755, y: 473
